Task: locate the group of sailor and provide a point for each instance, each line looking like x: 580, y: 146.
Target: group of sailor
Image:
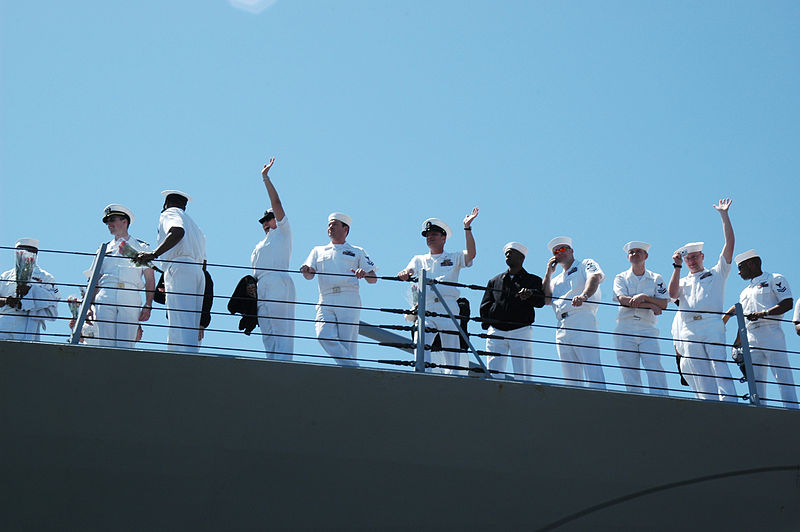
x: 507, y: 307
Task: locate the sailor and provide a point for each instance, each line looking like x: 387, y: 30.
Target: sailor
x: 796, y: 317
x: 765, y: 300
x: 443, y: 266
x: 568, y: 292
x: 275, y: 287
x: 182, y: 247
x: 642, y: 296
x: 507, y: 312
x: 701, y: 294
x: 28, y: 295
x: 340, y: 266
x: 118, y: 300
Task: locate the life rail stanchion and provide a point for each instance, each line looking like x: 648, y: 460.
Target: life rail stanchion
x: 462, y: 333
x: 419, y: 365
x: 748, y: 361
x: 88, y: 298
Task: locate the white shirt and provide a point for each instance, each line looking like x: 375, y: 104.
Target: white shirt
x: 42, y: 299
x: 704, y: 290
x: 191, y: 246
x: 570, y: 283
x: 762, y: 293
x: 274, y: 252
x: 629, y: 284
x: 340, y: 259
x: 443, y: 267
x: 117, y: 268
x: 796, y: 317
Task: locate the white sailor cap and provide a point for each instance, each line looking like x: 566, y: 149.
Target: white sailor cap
x: 166, y: 193
x: 691, y: 247
x: 115, y: 209
x: 27, y: 242
x: 342, y: 217
x: 269, y: 214
x: 636, y: 244
x: 749, y: 254
x: 559, y: 241
x: 517, y: 246
x: 435, y: 224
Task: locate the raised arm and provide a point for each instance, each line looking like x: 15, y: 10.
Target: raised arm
x: 727, y: 229
x: 675, y: 279
x: 274, y: 199
x: 471, y: 251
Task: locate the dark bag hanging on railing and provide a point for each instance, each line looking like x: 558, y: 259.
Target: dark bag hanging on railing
x: 242, y: 302
x: 463, y: 311
x: 208, y: 299
x: 160, y: 295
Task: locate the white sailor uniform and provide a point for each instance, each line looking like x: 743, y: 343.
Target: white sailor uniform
x: 339, y: 306
x: 642, y: 346
x: 184, y: 280
x: 38, y: 306
x: 276, y: 292
x: 443, y: 267
x: 118, y: 301
x: 704, y: 364
x: 576, y: 338
x: 765, y: 336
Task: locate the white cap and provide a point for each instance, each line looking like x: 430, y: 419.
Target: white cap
x: 559, y: 241
x: 691, y: 247
x: 749, y: 254
x: 636, y: 244
x: 342, y: 217
x: 166, y: 193
x: 29, y: 242
x: 117, y: 209
x: 431, y: 223
x: 516, y: 245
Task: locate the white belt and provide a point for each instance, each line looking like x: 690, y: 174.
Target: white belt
x: 337, y: 290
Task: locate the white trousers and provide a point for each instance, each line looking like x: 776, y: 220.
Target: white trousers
x: 705, y: 366
x: 517, y: 345
x: 185, y: 285
x: 643, y: 349
x: 580, y: 357
x: 771, y: 356
x: 276, y: 317
x: 449, y: 341
x: 20, y: 326
x: 337, y: 327
x: 117, y: 312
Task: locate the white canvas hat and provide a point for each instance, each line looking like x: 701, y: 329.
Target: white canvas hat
x: 516, y: 245
x: 636, y: 244
x: 559, y: 241
x: 342, y: 217
x: 749, y: 254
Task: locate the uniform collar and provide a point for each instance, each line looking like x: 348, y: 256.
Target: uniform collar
x: 761, y: 278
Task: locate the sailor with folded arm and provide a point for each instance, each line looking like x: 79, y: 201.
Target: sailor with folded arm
x: 701, y: 293
x: 766, y: 295
x: 569, y: 292
x: 443, y: 265
x: 339, y: 306
x: 642, y: 296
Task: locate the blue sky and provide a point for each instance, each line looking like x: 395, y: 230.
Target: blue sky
x: 605, y: 121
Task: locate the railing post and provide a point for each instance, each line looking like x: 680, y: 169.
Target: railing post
x: 748, y: 362
x: 89, y: 296
x: 461, y: 332
x: 423, y: 294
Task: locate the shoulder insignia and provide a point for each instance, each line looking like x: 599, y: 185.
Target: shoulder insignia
x: 591, y: 266
x: 447, y: 262
x: 779, y: 287
x: 661, y: 288
x: 348, y: 253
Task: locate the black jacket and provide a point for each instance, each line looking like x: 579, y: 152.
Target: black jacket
x: 502, y: 309
x: 241, y: 303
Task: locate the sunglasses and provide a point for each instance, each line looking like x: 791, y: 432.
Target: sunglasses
x: 114, y: 218
x: 559, y: 250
